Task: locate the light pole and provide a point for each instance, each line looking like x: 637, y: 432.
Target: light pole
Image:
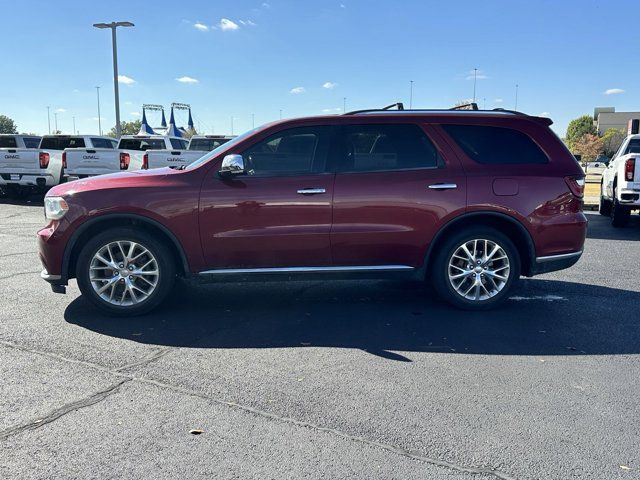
x: 344, y: 104
x: 232, y: 125
x: 49, y: 120
x: 74, y: 126
x: 55, y: 117
x: 280, y: 114
x: 113, y: 26
x: 475, y: 79
x: 99, y: 119
x: 516, y: 107
x: 411, y: 95
x: 253, y: 120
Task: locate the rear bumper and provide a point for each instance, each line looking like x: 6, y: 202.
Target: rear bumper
x: 57, y: 285
x: 28, y: 180
x: 553, y: 263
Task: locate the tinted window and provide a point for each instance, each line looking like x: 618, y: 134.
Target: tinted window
x: 31, y: 142
x: 178, y: 144
x: 102, y: 143
x: 142, y: 144
x: 114, y: 143
x: 206, y: 144
x: 634, y: 146
x: 8, y: 142
x: 60, y: 143
x: 362, y: 148
x: 293, y: 151
x: 496, y: 145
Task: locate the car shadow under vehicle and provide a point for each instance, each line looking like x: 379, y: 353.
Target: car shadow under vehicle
x: 388, y: 319
x: 600, y: 227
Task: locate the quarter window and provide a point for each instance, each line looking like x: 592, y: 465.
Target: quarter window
x: 178, y: 144
x: 366, y: 148
x: 102, y: 143
x: 496, y: 145
x: 31, y: 142
x: 294, y: 151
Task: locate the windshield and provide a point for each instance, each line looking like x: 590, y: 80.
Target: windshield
x: 60, y: 143
x: 222, y: 148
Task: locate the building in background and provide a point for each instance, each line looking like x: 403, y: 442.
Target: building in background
x: 605, y: 118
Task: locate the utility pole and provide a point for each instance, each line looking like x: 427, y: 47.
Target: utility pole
x: 74, y: 126
x: 280, y: 114
x: 49, y: 120
x: 344, y: 104
x: 114, y: 45
x: 475, y: 80
x: 99, y: 119
x: 411, y: 96
x: 516, y: 107
x: 55, y: 117
x: 253, y: 120
x: 231, y: 124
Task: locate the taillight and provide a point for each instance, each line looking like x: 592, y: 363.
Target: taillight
x: 145, y: 161
x: 64, y: 159
x: 124, y: 161
x: 43, y: 157
x: 576, y: 185
x: 629, y: 169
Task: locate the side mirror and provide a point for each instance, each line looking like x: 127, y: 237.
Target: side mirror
x: 232, y: 165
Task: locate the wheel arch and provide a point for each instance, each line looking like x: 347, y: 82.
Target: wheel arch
x: 508, y: 225
x: 102, y: 222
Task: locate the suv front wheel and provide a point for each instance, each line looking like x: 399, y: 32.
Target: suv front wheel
x: 475, y: 269
x: 125, y: 272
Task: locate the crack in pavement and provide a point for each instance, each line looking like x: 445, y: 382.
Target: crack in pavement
x: 67, y: 408
x: 17, y: 253
x: 18, y: 274
x: 92, y: 400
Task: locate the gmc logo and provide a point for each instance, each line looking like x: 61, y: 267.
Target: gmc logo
x: 12, y: 156
x: 89, y: 157
x: 174, y: 159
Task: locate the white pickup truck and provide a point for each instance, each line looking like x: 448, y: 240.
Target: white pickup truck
x: 180, y: 155
x: 24, y: 169
x: 9, y: 144
x: 132, y: 152
x: 620, y: 192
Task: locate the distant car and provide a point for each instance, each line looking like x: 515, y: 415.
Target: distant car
x: 620, y: 192
x: 180, y: 158
x: 597, y: 167
x: 467, y: 200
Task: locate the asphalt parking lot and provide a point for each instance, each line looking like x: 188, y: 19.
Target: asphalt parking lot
x: 362, y: 379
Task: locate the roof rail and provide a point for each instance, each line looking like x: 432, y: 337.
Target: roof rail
x: 466, y: 106
x: 515, y: 112
x: 397, y: 106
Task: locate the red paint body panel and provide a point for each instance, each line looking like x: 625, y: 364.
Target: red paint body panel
x: 372, y: 218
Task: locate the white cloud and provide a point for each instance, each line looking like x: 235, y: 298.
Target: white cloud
x: 613, y: 91
x: 75, y: 90
x: 332, y: 110
x: 297, y: 90
x: 329, y: 85
x: 266, y: 5
x: 498, y: 100
x: 228, y: 25
x: 126, y: 80
x: 135, y: 114
x: 342, y: 5
x: 544, y: 114
x: 200, y: 26
x: 95, y: 119
x: 479, y: 75
x: 185, y: 79
x: 248, y: 23
x: 60, y: 110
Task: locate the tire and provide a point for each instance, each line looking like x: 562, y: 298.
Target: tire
x: 620, y: 214
x: 493, y: 290
x: 604, y: 207
x: 130, y: 293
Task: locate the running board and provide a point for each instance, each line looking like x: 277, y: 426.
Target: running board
x: 346, y: 272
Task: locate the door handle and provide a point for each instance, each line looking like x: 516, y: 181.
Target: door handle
x: 443, y: 186
x: 311, y: 191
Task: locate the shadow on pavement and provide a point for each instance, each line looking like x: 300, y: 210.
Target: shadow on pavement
x: 383, y: 318
x: 30, y: 201
x: 600, y: 227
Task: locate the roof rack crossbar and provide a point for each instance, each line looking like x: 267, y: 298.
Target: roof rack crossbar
x: 397, y: 106
x: 466, y: 106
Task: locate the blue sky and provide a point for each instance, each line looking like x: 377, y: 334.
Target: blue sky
x: 238, y: 58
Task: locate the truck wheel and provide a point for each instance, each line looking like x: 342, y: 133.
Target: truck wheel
x: 620, y: 214
x: 125, y: 272
x: 604, y: 207
x: 476, y: 268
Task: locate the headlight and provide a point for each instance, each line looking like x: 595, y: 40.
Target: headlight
x: 55, y: 208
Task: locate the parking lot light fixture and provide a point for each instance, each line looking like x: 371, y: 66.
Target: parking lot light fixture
x: 113, y: 26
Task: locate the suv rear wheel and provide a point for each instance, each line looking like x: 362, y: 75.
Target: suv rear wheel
x: 124, y: 271
x: 475, y: 269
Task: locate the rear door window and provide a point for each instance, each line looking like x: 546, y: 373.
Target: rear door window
x: 142, y: 144
x: 31, y: 142
x: 496, y: 145
x: 178, y: 144
x: 370, y: 148
x: 8, y: 142
x: 102, y: 143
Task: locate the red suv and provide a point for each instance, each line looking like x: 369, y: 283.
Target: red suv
x: 468, y: 200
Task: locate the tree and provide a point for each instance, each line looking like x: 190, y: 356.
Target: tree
x: 578, y: 128
x: 611, y: 141
x: 589, y: 146
x: 7, y: 125
x: 127, y: 128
